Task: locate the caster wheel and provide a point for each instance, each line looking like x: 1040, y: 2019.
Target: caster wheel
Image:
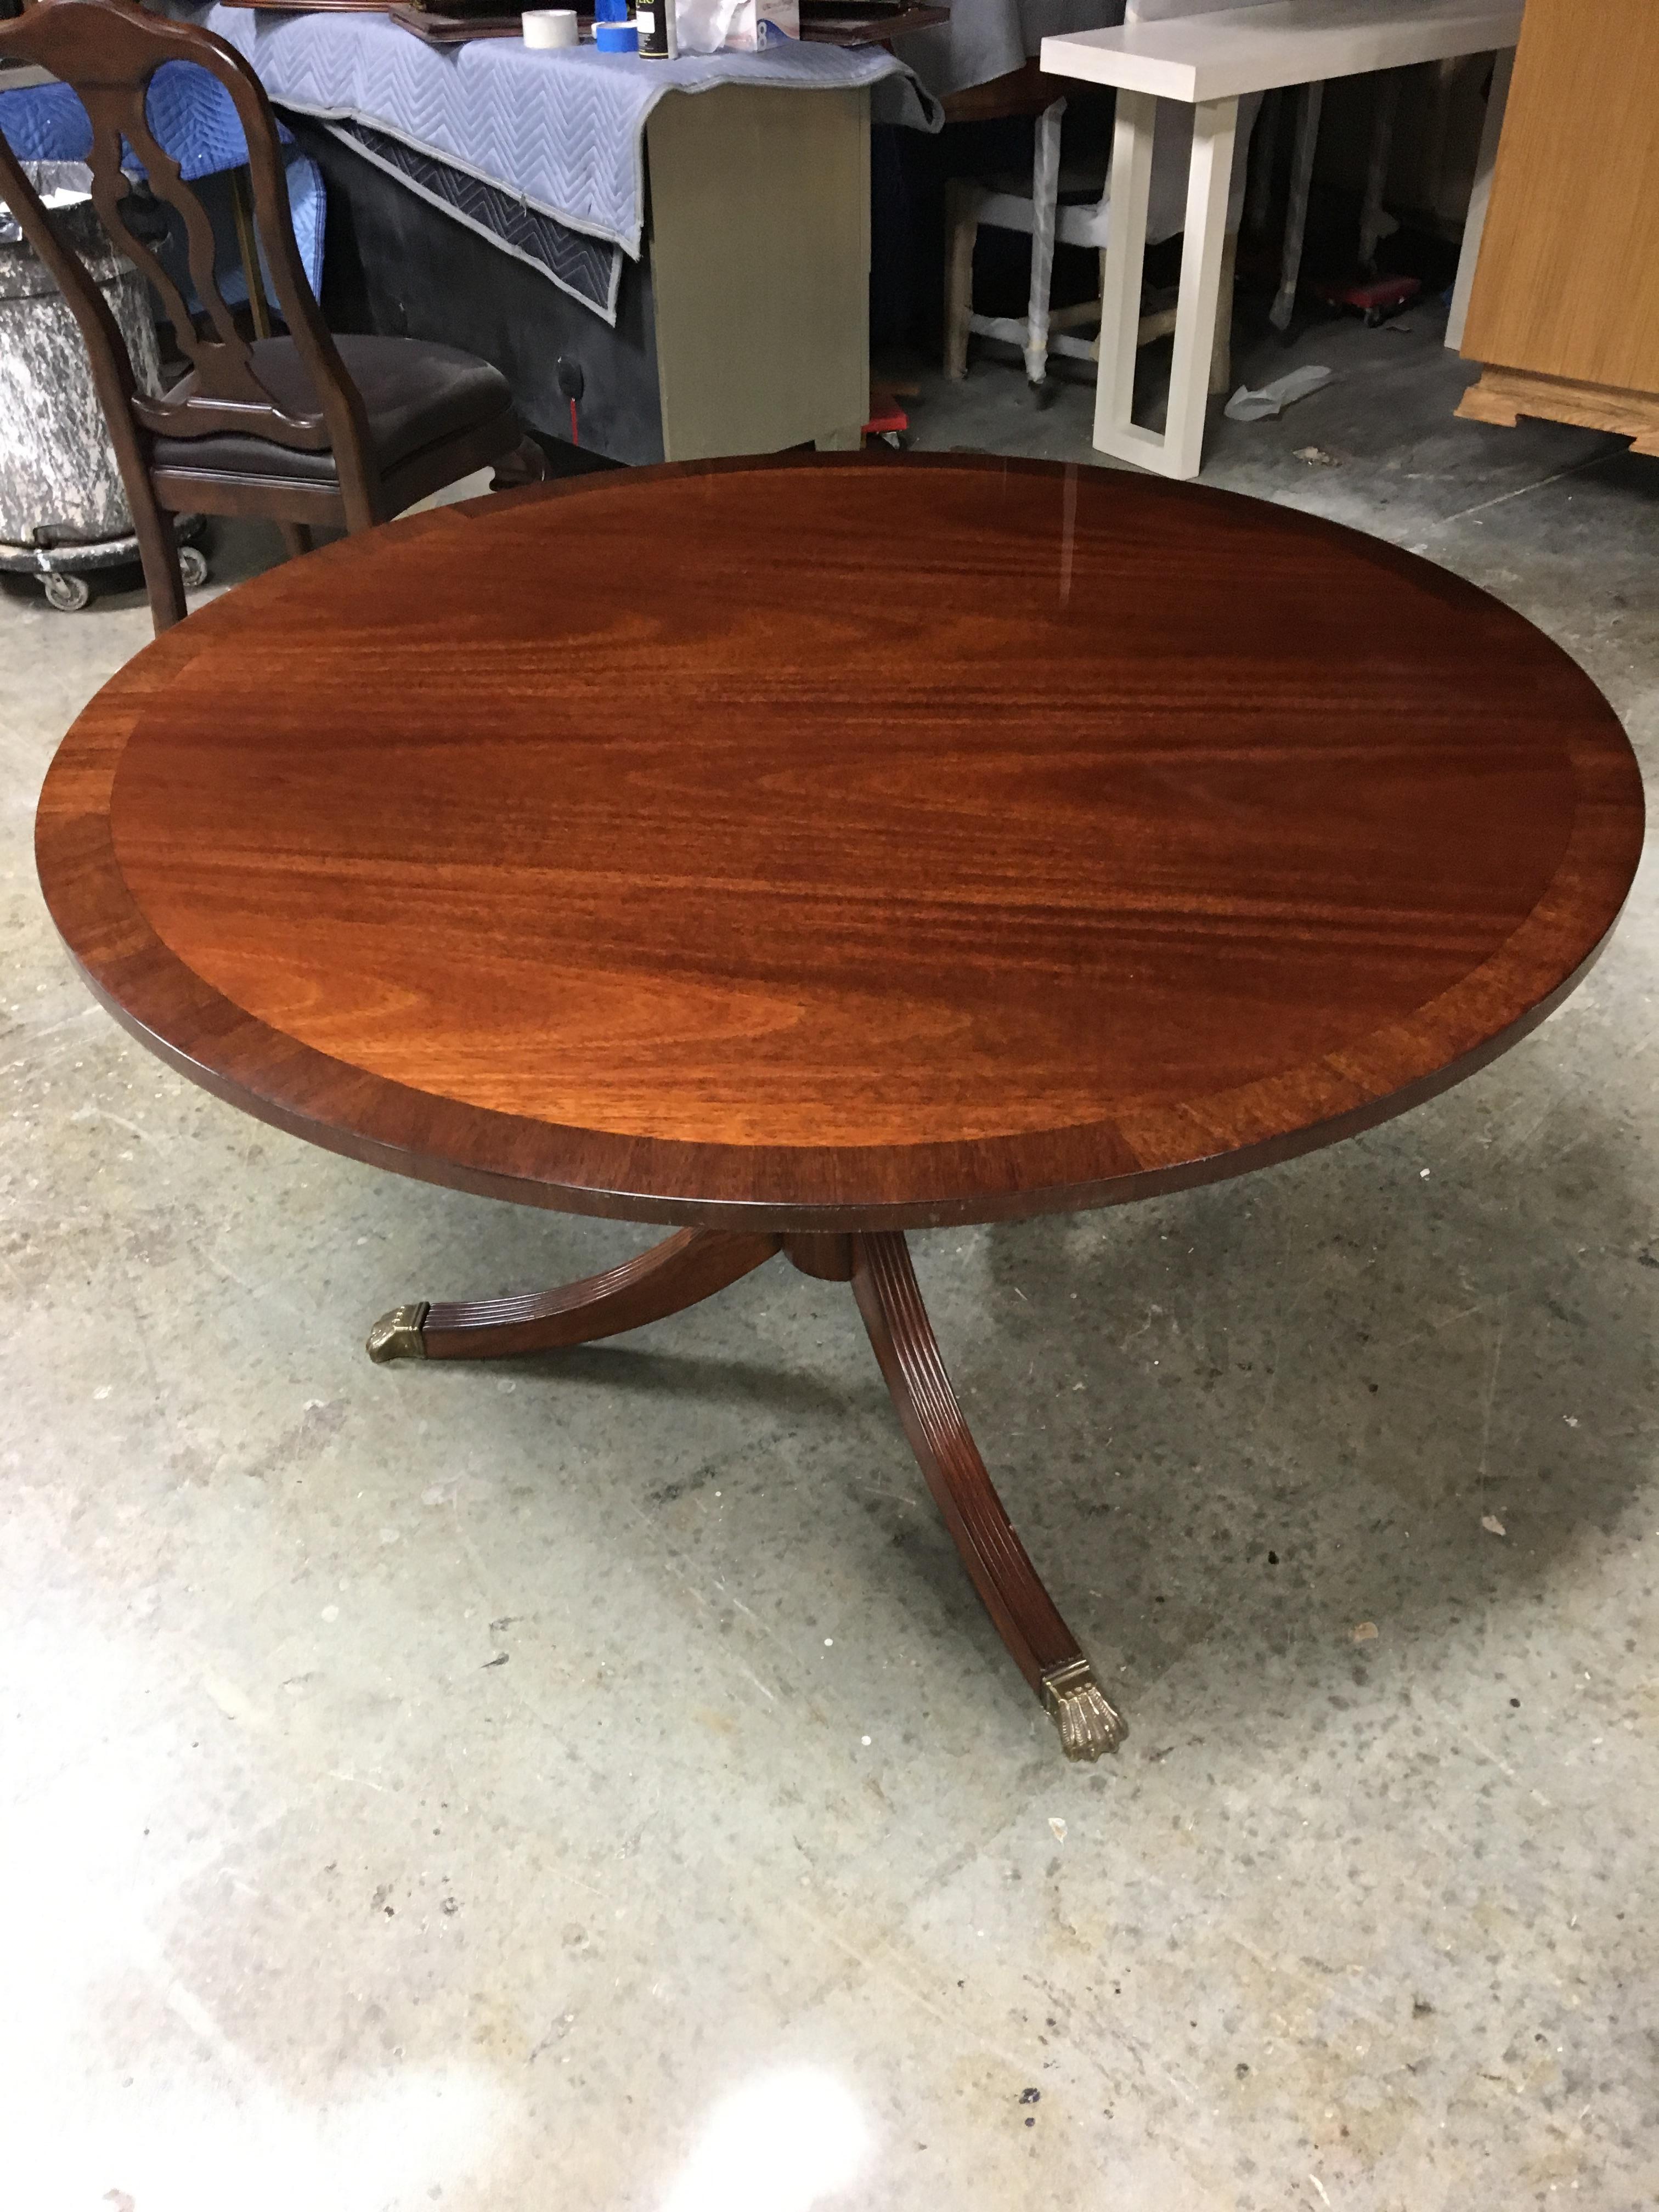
x: 193, y: 567
x: 69, y: 594
x: 1039, y: 396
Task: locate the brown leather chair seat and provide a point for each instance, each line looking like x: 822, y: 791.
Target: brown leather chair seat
x: 418, y: 394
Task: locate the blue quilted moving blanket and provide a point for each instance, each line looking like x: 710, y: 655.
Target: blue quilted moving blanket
x: 193, y: 118
x: 543, y: 153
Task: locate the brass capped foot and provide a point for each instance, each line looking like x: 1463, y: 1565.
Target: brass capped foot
x: 396, y: 1336
x: 1088, y: 1723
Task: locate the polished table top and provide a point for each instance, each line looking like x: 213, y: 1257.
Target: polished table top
x: 842, y: 843
x: 804, y: 851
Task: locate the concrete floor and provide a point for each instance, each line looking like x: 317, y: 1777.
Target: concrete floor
x: 592, y: 1782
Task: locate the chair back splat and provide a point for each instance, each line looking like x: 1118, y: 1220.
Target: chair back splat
x: 300, y: 427
x: 109, y: 52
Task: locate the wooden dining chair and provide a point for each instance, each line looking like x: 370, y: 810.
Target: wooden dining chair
x: 304, y: 428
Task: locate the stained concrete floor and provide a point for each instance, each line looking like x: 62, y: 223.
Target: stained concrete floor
x: 591, y: 1782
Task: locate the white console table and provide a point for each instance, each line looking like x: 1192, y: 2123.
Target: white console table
x: 1208, y: 63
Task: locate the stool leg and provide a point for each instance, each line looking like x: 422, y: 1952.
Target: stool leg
x: 1295, y: 218
x: 1045, y: 208
x: 1373, y: 222
x: 961, y: 230
x: 1221, y: 354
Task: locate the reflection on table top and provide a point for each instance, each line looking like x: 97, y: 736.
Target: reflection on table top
x: 1050, y: 837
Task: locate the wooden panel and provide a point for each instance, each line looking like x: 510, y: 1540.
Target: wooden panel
x: 841, y: 845
x: 1568, y: 282
x: 1505, y: 395
x: 760, y: 267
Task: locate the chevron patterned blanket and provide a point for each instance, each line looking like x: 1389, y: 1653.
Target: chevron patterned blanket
x: 542, y: 152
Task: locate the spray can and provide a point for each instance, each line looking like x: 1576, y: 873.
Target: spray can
x: 655, y: 19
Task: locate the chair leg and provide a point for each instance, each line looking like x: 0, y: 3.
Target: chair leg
x: 525, y: 464
x: 961, y: 230
x: 163, y: 584
x: 1221, y: 355
x: 296, y: 538
x: 1045, y: 197
x: 158, y: 549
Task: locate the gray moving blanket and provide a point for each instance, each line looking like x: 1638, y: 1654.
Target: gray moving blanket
x: 543, y: 153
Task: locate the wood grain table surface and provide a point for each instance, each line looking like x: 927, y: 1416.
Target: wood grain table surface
x: 802, y: 851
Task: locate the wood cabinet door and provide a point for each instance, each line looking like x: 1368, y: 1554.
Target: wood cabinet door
x: 1568, y: 280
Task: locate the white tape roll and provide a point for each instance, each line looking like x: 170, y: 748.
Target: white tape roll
x: 549, y: 27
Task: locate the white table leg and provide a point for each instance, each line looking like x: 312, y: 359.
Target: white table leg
x: 1125, y: 250
x: 1203, y: 249
x: 1179, y: 450
x: 1476, y: 221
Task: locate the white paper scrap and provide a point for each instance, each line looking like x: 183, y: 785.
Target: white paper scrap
x: 1248, y: 406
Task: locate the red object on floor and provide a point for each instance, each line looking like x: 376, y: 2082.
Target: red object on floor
x: 1371, y: 295
x: 887, y: 417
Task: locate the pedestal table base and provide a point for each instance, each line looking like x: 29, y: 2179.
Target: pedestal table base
x: 694, y: 1263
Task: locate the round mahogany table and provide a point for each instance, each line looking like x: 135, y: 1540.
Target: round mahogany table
x: 799, y: 852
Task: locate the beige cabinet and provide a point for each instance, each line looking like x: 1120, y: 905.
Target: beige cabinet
x: 1564, y: 311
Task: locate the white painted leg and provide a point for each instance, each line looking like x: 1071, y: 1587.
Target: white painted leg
x: 1476, y: 220
x: 1203, y: 247
x: 1121, y: 268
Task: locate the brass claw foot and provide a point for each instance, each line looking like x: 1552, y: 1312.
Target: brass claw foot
x: 396, y: 1336
x: 692, y: 1264
x: 1087, y: 1721
x: 906, y: 1351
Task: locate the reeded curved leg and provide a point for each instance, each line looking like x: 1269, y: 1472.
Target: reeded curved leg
x: 1027, y: 1618
x: 684, y: 1268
